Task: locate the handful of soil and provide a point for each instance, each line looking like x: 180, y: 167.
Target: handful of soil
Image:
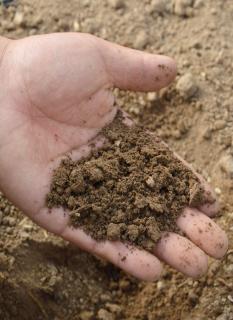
x: 131, y: 189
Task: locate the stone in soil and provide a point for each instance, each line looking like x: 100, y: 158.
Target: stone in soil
x: 186, y: 86
x: 226, y: 164
x: 131, y: 189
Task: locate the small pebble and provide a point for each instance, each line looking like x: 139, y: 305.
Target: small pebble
x: 114, y: 308
x: 35, y: 22
x: 86, y: 315
x: 24, y: 234
x: 105, y: 297
x: 134, y: 110
x: 9, y: 221
x: 219, y: 124
x: 117, y: 143
x: 160, y: 6
x: 186, y: 86
x: 160, y: 285
x: 87, y: 3
x: 193, y: 298
x: 18, y: 19
x: 229, y: 269
x: 9, y: 230
x: 117, y: 4
x: 105, y: 315
x: 198, y: 4
x: 151, y: 96
x: 27, y: 227
x: 226, y: 164
x: 124, y: 284
x: 182, y: 7
x: 207, y: 133
x: 7, y: 210
x: 150, y: 182
x: 63, y: 25
x: 76, y: 26
x: 218, y: 191
x: 141, y: 40
x: 176, y: 134
x: 226, y: 141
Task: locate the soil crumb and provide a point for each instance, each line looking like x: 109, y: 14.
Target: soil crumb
x: 131, y: 189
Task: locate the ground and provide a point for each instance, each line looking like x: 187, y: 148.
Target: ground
x: 41, y: 276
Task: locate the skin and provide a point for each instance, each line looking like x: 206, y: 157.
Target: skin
x: 55, y: 97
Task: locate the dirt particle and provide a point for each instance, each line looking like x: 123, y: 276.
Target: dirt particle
x: 105, y: 315
x: 150, y: 182
x: 151, y: 96
x: 114, y: 231
x: 141, y: 40
x: 117, y: 4
x: 207, y: 133
x: 219, y: 124
x: 193, y: 298
x: 19, y: 19
x: 186, y: 86
x: 114, y: 308
x: 133, y: 232
x: 183, y: 7
x: 160, y: 6
x: 162, y: 66
x: 226, y: 165
x: 86, y: 315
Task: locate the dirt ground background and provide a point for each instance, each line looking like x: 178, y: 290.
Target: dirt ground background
x: 41, y: 276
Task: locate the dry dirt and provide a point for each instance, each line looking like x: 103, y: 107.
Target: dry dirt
x: 132, y: 189
x: 41, y: 276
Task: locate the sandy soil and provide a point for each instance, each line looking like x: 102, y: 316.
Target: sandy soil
x: 41, y: 276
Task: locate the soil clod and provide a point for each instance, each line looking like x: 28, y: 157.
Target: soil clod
x: 131, y: 190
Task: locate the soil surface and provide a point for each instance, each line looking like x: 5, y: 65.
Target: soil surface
x: 132, y: 189
x: 43, y: 277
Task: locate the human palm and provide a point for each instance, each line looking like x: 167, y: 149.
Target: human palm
x: 56, y: 97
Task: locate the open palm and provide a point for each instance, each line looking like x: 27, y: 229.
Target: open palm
x: 55, y: 98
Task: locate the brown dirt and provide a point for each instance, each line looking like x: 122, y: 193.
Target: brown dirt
x: 41, y: 276
x: 132, y: 189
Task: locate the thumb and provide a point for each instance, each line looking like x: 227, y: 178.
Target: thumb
x: 130, y: 69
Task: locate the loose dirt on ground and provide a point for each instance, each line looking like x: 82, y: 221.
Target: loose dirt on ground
x: 43, y: 277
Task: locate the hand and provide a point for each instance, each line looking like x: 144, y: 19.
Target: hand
x: 56, y: 96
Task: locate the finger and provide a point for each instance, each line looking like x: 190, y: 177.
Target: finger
x: 135, y: 70
x: 211, y: 207
x: 181, y: 254
x: 138, y: 263
x: 204, y: 232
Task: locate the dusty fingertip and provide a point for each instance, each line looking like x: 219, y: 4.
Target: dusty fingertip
x: 168, y: 65
x: 153, y: 275
x: 201, y: 267
x: 165, y: 71
x: 210, y: 209
x: 221, y: 246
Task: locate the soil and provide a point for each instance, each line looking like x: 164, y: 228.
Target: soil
x: 43, y: 277
x: 132, y: 189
